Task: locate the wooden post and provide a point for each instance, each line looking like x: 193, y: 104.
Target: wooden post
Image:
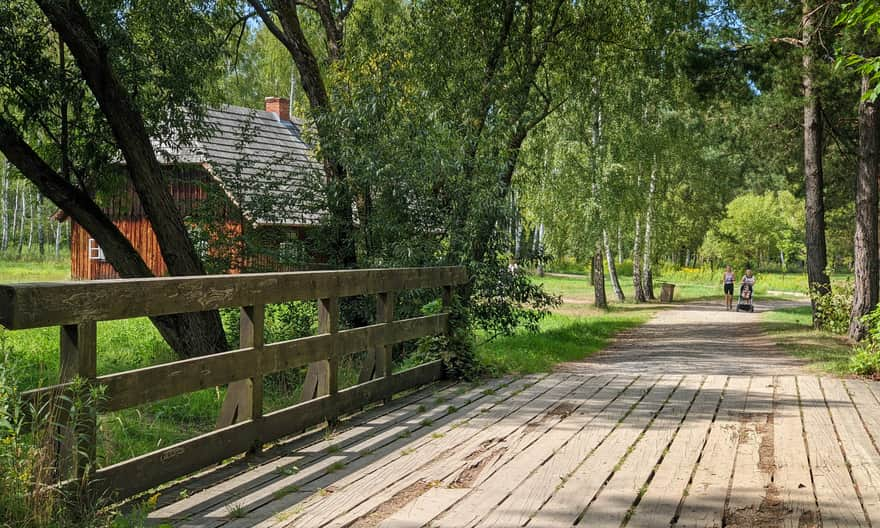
x: 244, y: 398
x: 322, y: 376
x: 447, y: 298
x: 377, y: 363
x: 79, y: 358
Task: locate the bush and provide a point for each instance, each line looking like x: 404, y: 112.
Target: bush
x: 865, y: 360
x: 833, y: 309
x: 27, y: 462
x: 283, y: 321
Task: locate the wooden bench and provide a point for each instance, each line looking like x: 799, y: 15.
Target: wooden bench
x: 242, y: 425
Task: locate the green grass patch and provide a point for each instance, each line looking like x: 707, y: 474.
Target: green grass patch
x: 562, y: 338
x: 791, y: 329
x: 34, y: 270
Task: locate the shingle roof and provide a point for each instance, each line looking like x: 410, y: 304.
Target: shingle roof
x: 262, y: 162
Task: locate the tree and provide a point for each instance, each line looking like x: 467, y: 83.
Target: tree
x: 126, y: 118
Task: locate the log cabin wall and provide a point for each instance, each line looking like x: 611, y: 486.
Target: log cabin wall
x: 87, y: 265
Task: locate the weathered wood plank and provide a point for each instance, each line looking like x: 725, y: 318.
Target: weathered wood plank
x: 321, y: 377
x: 578, y: 490
x: 704, y: 504
x: 495, y: 483
x: 78, y: 434
x: 244, y: 398
x: 861, y: 453
x: 792, y: 479
x: 377, y: 362
x: 660, y: 501
x: 835, y: 491
x: 360, y: 468
x: 254, y: 490
x: 144, y: 472
x: 135, y: 387
x: 420, y: 511
x: 612, y: 504
x: 398, y: 470
x: 236, y: 479
x: 34, y: 305
x: 751, y: 495
x: 868, y: 406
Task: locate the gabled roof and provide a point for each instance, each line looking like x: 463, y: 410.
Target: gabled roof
x: 262, y: 162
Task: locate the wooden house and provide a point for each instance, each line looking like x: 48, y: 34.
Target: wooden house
x: 241, y: 189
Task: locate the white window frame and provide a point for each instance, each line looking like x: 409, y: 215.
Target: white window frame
x: 95, y: 251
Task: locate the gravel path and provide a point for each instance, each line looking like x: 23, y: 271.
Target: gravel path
x: 696, y: 338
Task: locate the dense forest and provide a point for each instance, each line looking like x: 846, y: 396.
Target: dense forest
x: 668, y: 133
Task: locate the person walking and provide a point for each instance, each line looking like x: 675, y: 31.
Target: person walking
x: 728, y: 280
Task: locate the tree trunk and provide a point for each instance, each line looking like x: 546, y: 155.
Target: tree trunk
x: 540, y: 249
x: 817, y: 259
x: 58, y: 239
x: 4, y: 205
x: 33, y: 219
x: 598, y: 277
x: 41, y: 226
x: 867, y: 258
x: 184, y: 332
x: 612, y: 269
x: 646, y: 267
x: 23, y: 201
x: 15, y: 208
x: 619, y: 244
x: 638, y: 292
x: 291, y: 35
x: 198, y: 333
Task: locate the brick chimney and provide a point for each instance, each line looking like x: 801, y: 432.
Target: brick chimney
x: 280, y: 106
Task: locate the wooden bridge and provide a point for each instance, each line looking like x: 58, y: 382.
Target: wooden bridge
x: 576, y: 447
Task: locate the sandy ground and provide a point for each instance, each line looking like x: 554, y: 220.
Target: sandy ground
x: 696, y: 338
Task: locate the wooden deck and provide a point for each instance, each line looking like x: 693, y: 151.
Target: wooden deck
x: 568, y: 449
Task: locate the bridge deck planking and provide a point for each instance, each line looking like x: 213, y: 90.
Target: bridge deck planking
x: 628, y: 451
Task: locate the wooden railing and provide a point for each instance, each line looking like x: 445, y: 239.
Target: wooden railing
x: 242, y: 426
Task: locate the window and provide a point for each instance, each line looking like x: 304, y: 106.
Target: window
x: 95, y: 251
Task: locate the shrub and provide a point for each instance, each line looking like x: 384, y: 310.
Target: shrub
x: 833, y: 309
x: 865, y: 360
x: 27, y: 461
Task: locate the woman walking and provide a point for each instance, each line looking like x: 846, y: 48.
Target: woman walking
x: 728, y: 280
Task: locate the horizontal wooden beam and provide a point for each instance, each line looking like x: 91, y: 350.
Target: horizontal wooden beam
x: 147, y: 471
x: 136, y: 387
x: 33, y: 305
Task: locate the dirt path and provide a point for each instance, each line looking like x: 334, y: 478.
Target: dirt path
x: 696, y: 338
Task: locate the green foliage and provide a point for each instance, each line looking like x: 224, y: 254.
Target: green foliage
x: 833, y: 309
x: 865, y: 360
x: 27, y: 462
x: 756, y: 229
x: 562, y: 338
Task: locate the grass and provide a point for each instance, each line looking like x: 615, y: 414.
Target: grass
x: 791, y: 329
x: 573, y: 331
x: 34, y: 270
x: 562, y: 338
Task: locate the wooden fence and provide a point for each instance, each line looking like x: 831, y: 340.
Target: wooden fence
x: 242, y: 425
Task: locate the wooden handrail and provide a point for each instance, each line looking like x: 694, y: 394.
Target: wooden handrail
x: 39, y: 304
x: 242, y: 426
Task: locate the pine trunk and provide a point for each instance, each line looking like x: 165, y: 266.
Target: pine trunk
x: 817, y: 259
x: 612, y: 268
x: 867, y: 258
x: 598, y: 276
x: 638, y: 292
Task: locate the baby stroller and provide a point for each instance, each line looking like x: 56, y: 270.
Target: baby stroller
x: 744, y: 304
